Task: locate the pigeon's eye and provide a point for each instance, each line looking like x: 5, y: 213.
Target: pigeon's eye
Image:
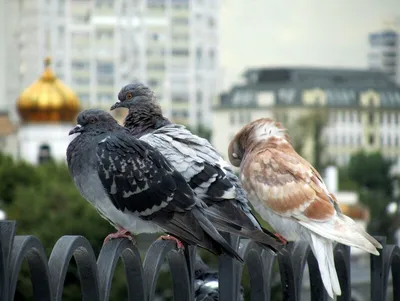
x: 92, y: 120
x: 129, y: 96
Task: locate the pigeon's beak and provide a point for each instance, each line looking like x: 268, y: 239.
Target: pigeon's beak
x: 77, y: 129
x: 118, y: 104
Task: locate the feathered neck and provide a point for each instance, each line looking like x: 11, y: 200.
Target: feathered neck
x: 145, y: 118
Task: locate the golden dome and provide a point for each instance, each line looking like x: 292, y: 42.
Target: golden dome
x: 48, y: 100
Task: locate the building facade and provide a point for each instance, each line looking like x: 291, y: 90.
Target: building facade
x: 361, y: 109
x: 98, y: 46
x: 384, y: 53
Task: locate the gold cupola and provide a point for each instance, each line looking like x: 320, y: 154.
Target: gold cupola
x: 48, y: 100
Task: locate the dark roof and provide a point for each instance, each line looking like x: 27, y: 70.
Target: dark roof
x: 342, y: 86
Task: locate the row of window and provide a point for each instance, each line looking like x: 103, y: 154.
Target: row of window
x: 351, y: 140
x: 180, y: 114
x: 355, y: 117
x: 102, y: 98
x: 239, y: 117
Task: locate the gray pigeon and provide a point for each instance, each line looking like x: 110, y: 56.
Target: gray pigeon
x: 212, y: 178
x: 134, y: 187
x: 206, y: 282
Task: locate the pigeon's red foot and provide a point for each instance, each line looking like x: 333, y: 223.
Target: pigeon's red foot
x: 121, y: 233
x: 179, y: 244
x: 280, y: 237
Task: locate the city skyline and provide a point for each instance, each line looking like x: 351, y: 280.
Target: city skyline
x: 267, y: 33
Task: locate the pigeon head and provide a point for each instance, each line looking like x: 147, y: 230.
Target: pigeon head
x: 260, y: 130
x: 133, y: 95
x: 94, y: 121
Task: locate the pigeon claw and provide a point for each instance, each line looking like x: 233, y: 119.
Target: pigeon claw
x: 121, y: 233
x: 281, y: 238
x: 179, y: 244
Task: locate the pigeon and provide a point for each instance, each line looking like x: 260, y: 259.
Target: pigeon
x: 290, y: 194
x: 134, y: 187
x: 212, y: 178
x: 206, y: 283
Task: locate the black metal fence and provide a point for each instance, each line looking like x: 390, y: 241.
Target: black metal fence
x: 48, y: 276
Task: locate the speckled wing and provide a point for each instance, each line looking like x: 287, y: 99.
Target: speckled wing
x: 288, y: 185
x: 136, y: 177
x: 139, y: 179
x: 195, y: 158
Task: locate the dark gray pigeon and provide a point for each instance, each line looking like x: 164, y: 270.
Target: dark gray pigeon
x: 134, y: 187
x: 207, y: 173
x: 206, y: 282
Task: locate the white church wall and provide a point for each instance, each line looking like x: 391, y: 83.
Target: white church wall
x: 32, y: 136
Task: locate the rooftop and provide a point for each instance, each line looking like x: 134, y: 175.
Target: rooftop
x: 341, y: 86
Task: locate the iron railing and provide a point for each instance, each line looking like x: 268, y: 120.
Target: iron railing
x: 47, y: 276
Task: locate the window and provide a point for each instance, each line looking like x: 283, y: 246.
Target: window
x: 101, y: 3
x: 180, y: 21
x: 81, y: 81
x: 232, y: 118
x: 180, y: 114
x: 180, y: 52
x: 371, y: 139
x: 199, y: 97
x: 396, y: 118
x: 198, y: 56
x: 44, y: 153
x: 105, y: 80
x: 199, y: 116
x: 371, y: 118
x: 105, y: 98
x: 83, y: 97
x: 105, y: 68
x: 156, y: 66
x: 242, y: 117
x: 211, y: 57
x: 153, y: 83
x: 211, y: 22
x: 180, y: 98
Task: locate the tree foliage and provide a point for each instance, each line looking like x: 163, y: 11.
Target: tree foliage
x: 201, y: 131
x: 310, y: 127
x: 45, y: 203
x: 370, y: 175
x: 371, y: 172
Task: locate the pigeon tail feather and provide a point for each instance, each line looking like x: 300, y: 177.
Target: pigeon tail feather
x: 220, y: 243
x: 323, y: 252
x: 344, y: 230
x: 242, y: 227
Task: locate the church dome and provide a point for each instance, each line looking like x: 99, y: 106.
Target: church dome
x: 48, y: 100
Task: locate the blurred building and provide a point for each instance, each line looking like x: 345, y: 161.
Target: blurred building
x: 47, y: 110
x: 361, y: 109
x: 100, y: 45
x: 384, y: 53
x: 9, y: 58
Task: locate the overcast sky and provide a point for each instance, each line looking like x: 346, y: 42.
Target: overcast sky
x: 298, y: 33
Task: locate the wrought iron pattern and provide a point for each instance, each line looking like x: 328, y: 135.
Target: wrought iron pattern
x: 48, y: 275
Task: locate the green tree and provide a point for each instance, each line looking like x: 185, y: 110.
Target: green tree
x: 48, y: 205
x: 13, y: 173
x: 370, y: 174
x: 310, y: 126
x: 201, y: 131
